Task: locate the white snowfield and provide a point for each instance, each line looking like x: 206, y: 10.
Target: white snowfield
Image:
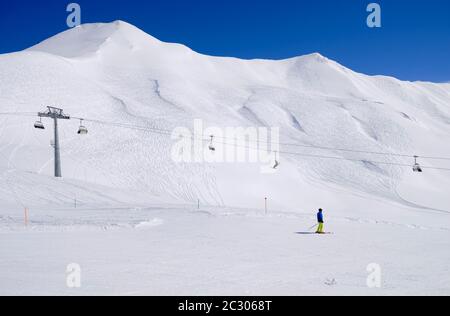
x: 127, y: 213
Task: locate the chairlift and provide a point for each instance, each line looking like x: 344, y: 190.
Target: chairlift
x: 82, y: 130
x: 277, y: 163
x: 417, y: 167
x: 39, y: 124
x: 211, y: 144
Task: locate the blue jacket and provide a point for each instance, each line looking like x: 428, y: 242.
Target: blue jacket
x: 320, y: 217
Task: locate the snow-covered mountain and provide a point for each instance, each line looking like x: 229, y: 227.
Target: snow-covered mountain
x: 127, y: 214
x: 114, y: 72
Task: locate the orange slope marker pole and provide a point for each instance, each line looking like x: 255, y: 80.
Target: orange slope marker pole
x: 26, y: 216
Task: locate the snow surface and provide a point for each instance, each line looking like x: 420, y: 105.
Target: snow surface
x: 136, y: 228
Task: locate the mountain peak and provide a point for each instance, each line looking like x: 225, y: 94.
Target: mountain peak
x: 88, y: 39
x: 317, y: 56
x: 125, y: 28
x: 313, y: 58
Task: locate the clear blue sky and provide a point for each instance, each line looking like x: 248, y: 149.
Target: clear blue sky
x: 413, y: 44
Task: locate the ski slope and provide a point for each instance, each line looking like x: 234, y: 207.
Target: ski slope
x: 179, y: 250
x: 115, y: 75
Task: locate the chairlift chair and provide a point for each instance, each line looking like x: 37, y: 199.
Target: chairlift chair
x: 417, y: 167
x: 277, y: 163
x: 39, y: 124
x: 211, y: 144
x: 82, y: 130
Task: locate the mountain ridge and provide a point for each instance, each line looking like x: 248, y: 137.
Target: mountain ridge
x: 130, y: 32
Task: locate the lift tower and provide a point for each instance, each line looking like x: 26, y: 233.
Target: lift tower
x: 55, y: 114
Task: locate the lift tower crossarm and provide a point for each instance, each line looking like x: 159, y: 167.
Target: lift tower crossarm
x: 53, y: 113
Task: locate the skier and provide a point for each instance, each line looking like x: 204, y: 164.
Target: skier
x: 320, y: 221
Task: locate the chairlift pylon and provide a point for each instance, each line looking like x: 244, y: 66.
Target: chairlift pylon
x: 416, y: 166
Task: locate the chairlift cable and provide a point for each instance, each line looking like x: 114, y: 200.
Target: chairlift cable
x: 205, y: 138
x: 169, y: 133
